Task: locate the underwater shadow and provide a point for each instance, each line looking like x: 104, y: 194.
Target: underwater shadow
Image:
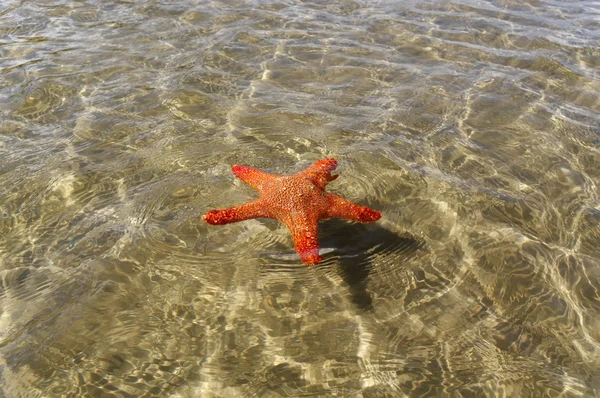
x: 356, y: 246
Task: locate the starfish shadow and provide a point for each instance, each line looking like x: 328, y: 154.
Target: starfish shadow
x: 358, y: 246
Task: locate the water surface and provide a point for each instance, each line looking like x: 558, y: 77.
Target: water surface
x: 471, y: 125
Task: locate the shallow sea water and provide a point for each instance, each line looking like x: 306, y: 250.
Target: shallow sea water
x: 473, y: 126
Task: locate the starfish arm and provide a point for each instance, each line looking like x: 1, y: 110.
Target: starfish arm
x: 254, y: 209
x: 320, y: 172
x: 251, y: 176
x: 342, y: 208
x: 306, y: 240
x: 323, y: 166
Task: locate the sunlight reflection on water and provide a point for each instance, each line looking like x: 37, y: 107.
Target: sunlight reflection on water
x: 472, y: 126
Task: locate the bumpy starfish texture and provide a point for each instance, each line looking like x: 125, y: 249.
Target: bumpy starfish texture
x: 298, y: 200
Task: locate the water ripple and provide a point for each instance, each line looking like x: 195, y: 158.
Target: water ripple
x: 472, y: 126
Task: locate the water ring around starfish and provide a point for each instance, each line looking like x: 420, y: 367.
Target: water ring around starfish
x: 355, y: 255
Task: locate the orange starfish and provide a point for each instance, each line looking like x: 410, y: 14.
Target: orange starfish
x: 298, y: 200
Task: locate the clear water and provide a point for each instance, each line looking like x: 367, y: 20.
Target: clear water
x: 473, y: 126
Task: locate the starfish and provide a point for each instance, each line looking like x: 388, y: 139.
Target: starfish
x: 299, y: 201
